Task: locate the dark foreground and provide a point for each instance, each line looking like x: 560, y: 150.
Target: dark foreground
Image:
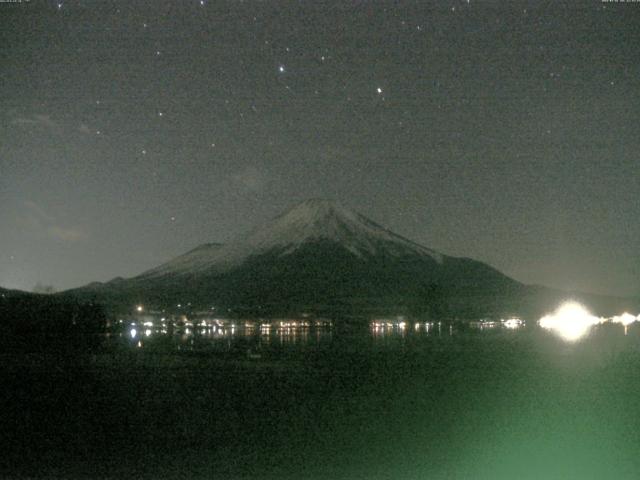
x: 477, y: 405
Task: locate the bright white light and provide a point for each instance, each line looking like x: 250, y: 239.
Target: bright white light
x: 147, y: 332
x: 571, y: 321
x: 379, y: 90
x: 139, y: 308
x: 133, y: 333
x: 513, y: 323
x: 625, y: 319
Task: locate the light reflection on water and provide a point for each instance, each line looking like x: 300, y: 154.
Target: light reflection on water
x: 226, y: 336
x: 254, y: 336
x: 385, y: 328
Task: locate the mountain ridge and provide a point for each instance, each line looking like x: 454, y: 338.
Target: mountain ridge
x: 318, y: 255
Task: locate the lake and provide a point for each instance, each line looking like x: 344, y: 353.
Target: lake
x: 435, y: 401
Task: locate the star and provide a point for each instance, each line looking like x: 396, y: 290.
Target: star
x: 281, y: 69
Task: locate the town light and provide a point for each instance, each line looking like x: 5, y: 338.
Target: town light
x: 571, y: 321
x: 625, y: 319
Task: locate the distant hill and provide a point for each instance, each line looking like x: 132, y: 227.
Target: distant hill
x: 7, y: 293
x: 47, y: 322
x: 323, y: 257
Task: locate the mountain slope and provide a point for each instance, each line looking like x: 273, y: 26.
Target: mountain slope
x: 192, y: 260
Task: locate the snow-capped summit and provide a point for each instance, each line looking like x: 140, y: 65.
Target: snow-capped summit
x: 319, y: 219
x: 310, y: 221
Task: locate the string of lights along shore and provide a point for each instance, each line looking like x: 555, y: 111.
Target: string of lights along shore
x: 134, y: 131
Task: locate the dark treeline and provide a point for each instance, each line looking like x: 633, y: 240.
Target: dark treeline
x: 43, y: 322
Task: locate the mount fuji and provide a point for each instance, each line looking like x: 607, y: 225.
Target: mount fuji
x: 310, y: 222
x: 318, y: 256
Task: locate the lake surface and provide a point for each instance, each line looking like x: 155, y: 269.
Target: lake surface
x: 433, y: 401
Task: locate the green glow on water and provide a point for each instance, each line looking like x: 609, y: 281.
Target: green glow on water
x: 493, y: 404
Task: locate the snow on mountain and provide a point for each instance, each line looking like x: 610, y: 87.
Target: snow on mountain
x: 192, y: 260
x: 312, y: 220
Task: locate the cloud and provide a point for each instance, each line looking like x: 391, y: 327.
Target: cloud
x: 38, y: 212
x: 37, y: 120
x: 67, y: 234
x: 84, y: 128
x: 44, y: 224
x: 251, y: 180
x: 41, y: 121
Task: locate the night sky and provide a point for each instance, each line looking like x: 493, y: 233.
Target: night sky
x: 508, y: 132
